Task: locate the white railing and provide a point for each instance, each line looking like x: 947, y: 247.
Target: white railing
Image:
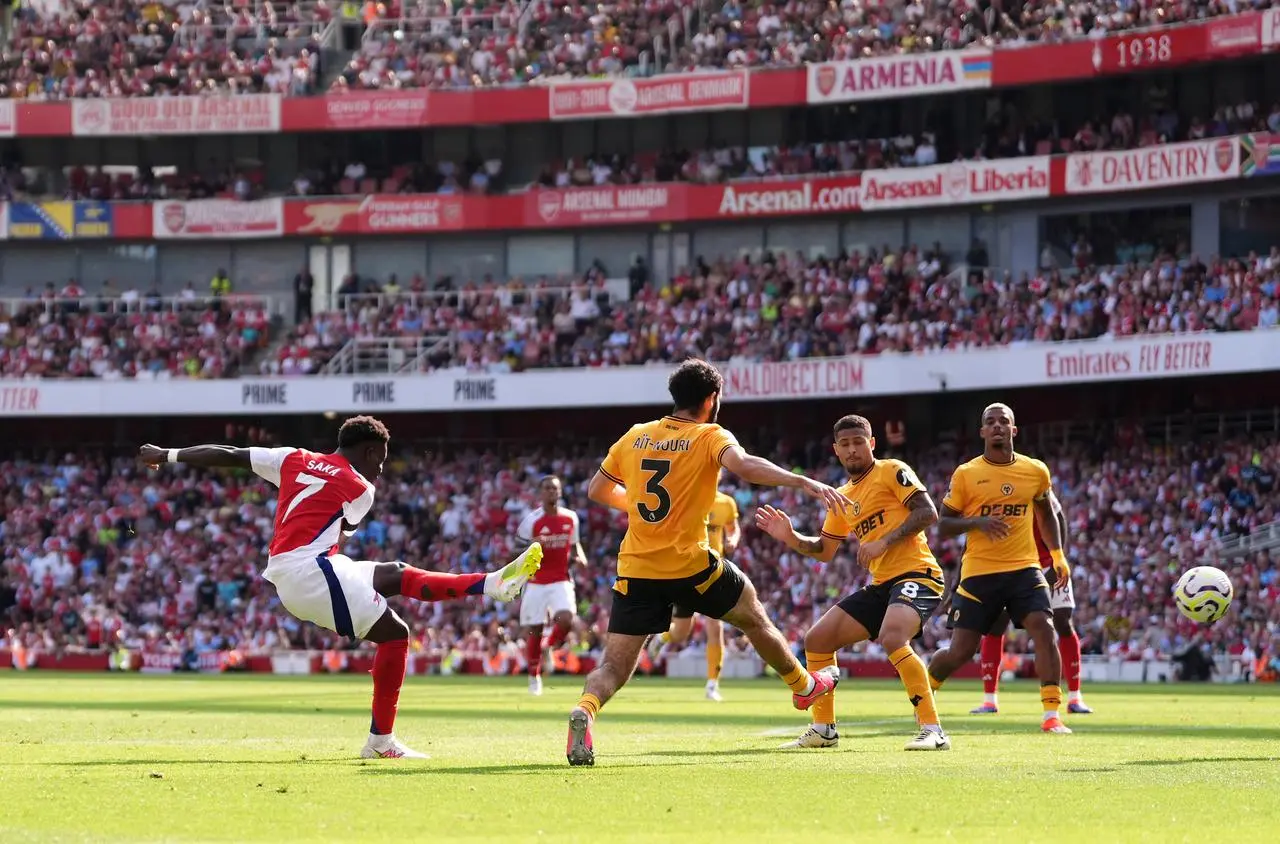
x: 389, y: 355
x: 141, y: 303
x: 617, y: 289
x: 1262, y: 538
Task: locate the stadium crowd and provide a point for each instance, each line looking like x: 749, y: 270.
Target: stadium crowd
x: 100, y: 554
x: 120, y: 48
x: 785, y: 307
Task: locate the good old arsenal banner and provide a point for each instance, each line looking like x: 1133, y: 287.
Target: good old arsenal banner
x: 220, y: 115
x: 878, y: 77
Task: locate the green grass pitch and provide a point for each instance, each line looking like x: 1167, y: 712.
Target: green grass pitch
x: 258, y: 758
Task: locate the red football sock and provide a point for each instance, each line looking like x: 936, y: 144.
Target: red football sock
x: 1069, y: 650
x: 533, y: 653
x: 992, y: 653
x: 439, y: 586
x: 389, y: 663
x: 556, y: 637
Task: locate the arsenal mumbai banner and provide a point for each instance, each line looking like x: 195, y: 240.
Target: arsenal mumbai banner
x: 1169, y: 165
x: 608, y: 204
x: 215, y: 219
x: 213, y: 115
x: 675, y: 92
x: 895, y: 76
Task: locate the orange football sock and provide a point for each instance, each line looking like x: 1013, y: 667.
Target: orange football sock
x: 799, y: 680
x: 1051, y: 699
x: 591, y: 704
x: 915, y: 677
x: 824, y: 708
x: 715, y: 660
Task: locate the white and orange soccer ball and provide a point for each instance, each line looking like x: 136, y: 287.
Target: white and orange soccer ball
x: 1203, y: 594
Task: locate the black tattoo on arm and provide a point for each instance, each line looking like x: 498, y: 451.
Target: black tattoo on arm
x: 810, y: 546
x: 922, y: 515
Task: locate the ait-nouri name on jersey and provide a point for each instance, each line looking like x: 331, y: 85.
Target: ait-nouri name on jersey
x: 558, y: 533
x: 318, y: 492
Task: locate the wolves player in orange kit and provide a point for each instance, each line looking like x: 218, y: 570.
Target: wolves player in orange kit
x: 550, y: 593
x: 891, y: 510
x: 1062, y: 601
x: 663, y: 474
x: 723, y: 535
x: 995, y: 499
x: 323, y: 497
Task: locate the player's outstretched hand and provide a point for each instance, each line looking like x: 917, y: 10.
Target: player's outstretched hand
x: 993, y: 528
x: 152, y: 455
x: 829, y: 496
x: 774, y: 522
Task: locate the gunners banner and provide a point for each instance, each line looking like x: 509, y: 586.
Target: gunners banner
x: 897, y: 76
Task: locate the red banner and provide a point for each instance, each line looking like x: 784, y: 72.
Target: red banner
x: 873, y: 78
x: 383, y: 214
x: 374, y: 110
x: 656, y: 95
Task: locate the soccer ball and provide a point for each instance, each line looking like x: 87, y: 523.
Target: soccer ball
x: 1203, y: 594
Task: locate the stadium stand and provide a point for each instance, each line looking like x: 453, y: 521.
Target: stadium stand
x: 86, y: 48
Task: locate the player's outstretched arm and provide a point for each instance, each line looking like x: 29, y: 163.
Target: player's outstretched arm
x: 953, y: 523
x: 757, y: 470
x: 206, y: 456
x: 607, y: 492
x: 777, y: 524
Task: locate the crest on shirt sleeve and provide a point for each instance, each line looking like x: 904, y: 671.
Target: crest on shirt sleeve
x: 907, y: 478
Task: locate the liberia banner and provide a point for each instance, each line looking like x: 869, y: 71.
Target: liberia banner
x: 379, y: 214
x: 216, y: 115
x: 895, y: 76
x: 1169, y: 165
x: 961, y: 183
x: 657, y: 95
x: 218, y: 218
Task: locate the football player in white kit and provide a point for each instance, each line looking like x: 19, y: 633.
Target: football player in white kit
x: 322, y: 498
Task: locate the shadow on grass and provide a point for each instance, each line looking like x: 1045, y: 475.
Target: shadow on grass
x: 739, y: 756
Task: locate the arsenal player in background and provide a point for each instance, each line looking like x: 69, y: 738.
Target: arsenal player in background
x: 550, y: 593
